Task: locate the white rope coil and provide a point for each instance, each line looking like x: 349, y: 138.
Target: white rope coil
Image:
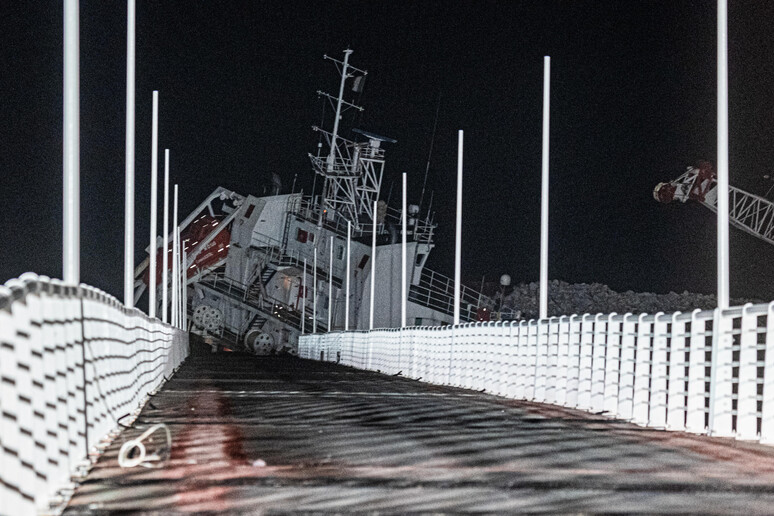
x: 134, y: 453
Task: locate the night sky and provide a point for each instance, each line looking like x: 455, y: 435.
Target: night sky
x: 633, y: 104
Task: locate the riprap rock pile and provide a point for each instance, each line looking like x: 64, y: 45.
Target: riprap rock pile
x: 592, y: 298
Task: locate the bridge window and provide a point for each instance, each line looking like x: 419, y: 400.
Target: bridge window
x: 302, y: 236
x: 339, y: 252
x: 363, y: 262
x: 420, y: 259
x: 249, y: 211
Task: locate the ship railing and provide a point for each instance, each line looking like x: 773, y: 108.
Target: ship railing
x: 287, y: 313
x: 505, y: 314
x: 284, y: 257
x: 419, y: 230
x: 345, y: 149
x: 366, y: 151
x: 76, y: 364
x: 262, y: 241
x: 442, y: 303
x: 195, y: 273
x: 309, y: 210
x: 306, y: 208
x: 342, y: 167
x: 423, y: 232
x: 238, y: 290
x: 704, y: 372
x: 344, y: 155
x: 435, y: 290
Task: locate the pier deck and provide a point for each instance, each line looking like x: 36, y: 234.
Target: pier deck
x: 280, y: 434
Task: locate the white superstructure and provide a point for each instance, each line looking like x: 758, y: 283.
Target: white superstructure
x: 249, y: 257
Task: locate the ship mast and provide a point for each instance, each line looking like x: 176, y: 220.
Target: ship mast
x: 344, y: 65
x: 352, y: 171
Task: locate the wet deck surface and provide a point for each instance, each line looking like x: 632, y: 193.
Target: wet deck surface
x: 279, y: 435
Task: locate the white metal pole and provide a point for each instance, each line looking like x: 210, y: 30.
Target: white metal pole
x: 179, y: 258
x: 373, y: 270
x: 403, y: 258
x: 330, y: 287
x: 544, y: 191
x: 303, y: 300
x: 175, y: 259
x: 722, y: 137
x: 458, y: 233
x: 184, y: 286
x: 154, y: 206
x: 129, y: 174
x: 165, y: 242
x: 314, y: 294
x: 346, y: 294
x: 180, y: 272
x: 71, y: 160
x: 175, y: 279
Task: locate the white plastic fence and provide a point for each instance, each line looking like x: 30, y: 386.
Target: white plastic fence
x: 73, y: 360
x: 708, y: 372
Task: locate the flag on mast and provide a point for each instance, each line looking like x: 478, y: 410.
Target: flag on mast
x: 357, y: 84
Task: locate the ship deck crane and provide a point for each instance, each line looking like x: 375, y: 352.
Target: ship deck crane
x: 748, y: 212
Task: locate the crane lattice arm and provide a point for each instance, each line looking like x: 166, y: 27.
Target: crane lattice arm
x: 748, y: 212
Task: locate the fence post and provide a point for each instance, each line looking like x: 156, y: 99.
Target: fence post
x: 37, y: 394
x: 626, y: 371
x: 642, y: 372
x: 612, y: 365
x: 767, y: 411
x: 532, y: 369
x: 747, y: 404
x: 562, y: 359
x: 720, y: 417
x: 451, y: 354
x: 11, y: 438
x: 497, y: 360
x: 541, y: 360
x: 57, y: 471
x: 658, y: 377
x: 371, y: 335
x: 676, y: 404
x: 573, y: 363
x: 586, y: 362
x: 435, y: 355
x: 510, y: 349
x: 464, y: 361
x: 520, y: 381
x: 697, y: 358
x: 479, y: 356
x: 552, y: 359
x: 597, y: 401
x: 59, y: 315
x: 424, y: 339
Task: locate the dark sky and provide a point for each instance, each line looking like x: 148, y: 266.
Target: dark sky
x: 633, y: 103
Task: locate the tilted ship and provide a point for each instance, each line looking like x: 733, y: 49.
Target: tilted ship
x: 260, y: 271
